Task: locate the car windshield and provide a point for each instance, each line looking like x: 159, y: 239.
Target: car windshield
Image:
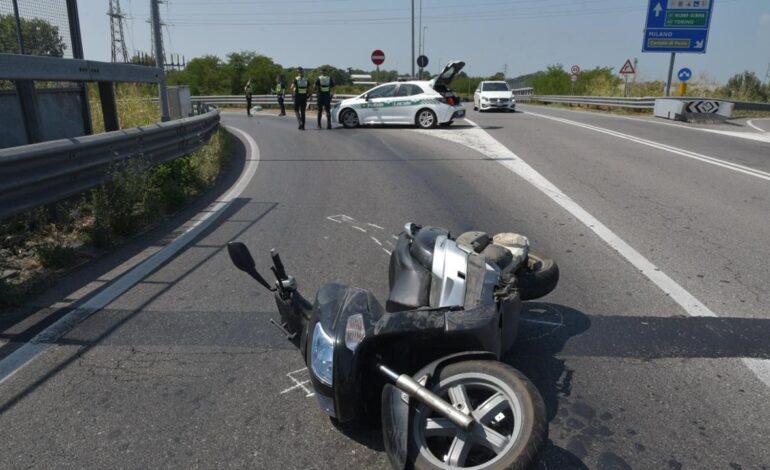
x: 500, y: 86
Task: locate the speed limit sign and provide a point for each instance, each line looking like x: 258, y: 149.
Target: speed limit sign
x: 575, y: 69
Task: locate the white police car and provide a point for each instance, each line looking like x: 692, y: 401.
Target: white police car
x: 424, y: 103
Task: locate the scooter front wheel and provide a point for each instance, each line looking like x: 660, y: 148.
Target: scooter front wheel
x: 510, y: 427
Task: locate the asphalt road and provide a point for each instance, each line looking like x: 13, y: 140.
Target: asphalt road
x: 184, y: 371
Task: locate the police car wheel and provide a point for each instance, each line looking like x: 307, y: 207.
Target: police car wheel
x: 426, y: 119
x: 349, y: 119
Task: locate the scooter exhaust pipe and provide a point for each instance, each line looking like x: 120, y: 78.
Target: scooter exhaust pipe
x: 413, y: 388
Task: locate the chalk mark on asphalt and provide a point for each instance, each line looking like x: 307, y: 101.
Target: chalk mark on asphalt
x: 356, y: 225
x: 299, y: 383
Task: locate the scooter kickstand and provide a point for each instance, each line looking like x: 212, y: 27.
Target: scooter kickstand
x: 282, y: 327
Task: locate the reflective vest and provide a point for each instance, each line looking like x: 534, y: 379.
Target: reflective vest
x: 278, y: 89
x: 325, y: 83
x: 301, y: 85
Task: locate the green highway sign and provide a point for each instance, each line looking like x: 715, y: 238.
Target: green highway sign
x: 686, y: 18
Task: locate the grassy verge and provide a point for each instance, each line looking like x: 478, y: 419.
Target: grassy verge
x: 39, y: 245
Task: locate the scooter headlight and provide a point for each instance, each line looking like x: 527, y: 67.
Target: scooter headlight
x: 322, y: 355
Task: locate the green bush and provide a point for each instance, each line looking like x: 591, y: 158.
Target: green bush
x: 50, y: 255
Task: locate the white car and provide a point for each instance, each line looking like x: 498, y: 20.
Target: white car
x: 424, y: 103
x: 494, y: 95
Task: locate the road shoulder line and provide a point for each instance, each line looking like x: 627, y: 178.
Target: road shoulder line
x: 40, y: 343
x: 481, y: 141
x: 657, y: 145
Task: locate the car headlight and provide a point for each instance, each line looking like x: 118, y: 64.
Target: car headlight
x: 322, y: 355
x: 484, y: 98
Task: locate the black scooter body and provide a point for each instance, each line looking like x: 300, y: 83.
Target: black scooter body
x: 404, y: 340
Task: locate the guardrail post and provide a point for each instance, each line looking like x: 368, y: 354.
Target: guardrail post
x: 25, y: 89
x: 77, y: 53
x: 109, y: 107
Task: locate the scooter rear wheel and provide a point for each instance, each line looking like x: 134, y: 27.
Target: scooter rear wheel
x: 510, y: 427
x: 538, y: 277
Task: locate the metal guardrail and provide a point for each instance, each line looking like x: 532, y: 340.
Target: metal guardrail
x: 240, y: 100
x: 611, y: 101
x: 647, y: 102
x: 44, y: 173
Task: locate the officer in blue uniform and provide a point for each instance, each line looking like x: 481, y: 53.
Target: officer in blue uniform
x: 324, y: 86
x: 300, y: 91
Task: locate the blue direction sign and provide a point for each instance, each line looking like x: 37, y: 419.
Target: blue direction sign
x: 677, y: 25
x: 684, y: 74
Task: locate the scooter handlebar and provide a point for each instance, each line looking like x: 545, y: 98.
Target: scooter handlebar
x: 280, y: 270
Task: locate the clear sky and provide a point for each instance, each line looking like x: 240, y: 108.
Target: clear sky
x: 524, y: 35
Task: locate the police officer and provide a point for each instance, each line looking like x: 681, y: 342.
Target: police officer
x: 300, y: 91
x: 280, y: 91
x: 324, y: 86
x: 248, y: 90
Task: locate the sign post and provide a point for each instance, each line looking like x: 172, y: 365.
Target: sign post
x: 683, y: 75
x: 626, y: 70
x: 575, y: 71
x: 422, y: 62
x: 378, y: 57
x: 677, y: 26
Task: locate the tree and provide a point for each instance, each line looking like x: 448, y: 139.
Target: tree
x: 205, y: 75
x: 745, y: 87
x: 552, y: 81
x: 262, y: 72
x: 599, y: 81
x: 339, y: 76
x: 40, y: 37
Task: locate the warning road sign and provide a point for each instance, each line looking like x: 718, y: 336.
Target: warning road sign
x: 709, y: 107
x: 628, y: 68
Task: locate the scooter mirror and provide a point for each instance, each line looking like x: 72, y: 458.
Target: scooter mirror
x: 241, y: 257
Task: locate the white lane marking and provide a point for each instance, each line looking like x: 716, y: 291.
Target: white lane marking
x: 750, y: 122
x: 376, y: 241
x: 685, y: 153
x: 386, y: 251
x: 479, y: 140
x: 358, y: 228
x: 375, y: 226
x: 43, y: 340
x: 663, y: 122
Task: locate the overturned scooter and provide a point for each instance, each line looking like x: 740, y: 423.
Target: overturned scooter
x: 427, y: 363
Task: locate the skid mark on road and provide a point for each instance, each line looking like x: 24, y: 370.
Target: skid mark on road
x: 479, y: 140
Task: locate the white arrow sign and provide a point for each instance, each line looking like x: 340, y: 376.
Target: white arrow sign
x: 657, y: 10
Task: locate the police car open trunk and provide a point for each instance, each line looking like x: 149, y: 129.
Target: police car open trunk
x: 441, y: 82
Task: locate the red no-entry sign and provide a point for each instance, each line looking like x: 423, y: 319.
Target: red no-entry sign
x: 378, y: 57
